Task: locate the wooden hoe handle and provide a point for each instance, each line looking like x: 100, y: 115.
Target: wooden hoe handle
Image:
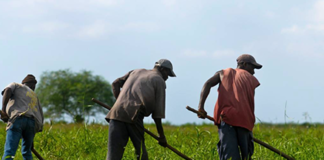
x: 37, y: 154
x: 255, y: 140
x: 148, y: 132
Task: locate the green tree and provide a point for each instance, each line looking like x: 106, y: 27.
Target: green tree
x: 67, y: 93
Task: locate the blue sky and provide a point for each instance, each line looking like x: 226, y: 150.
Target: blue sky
x: 111, y: 37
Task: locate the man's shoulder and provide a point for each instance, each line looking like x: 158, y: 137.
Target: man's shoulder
x: 228, y: 70
x: 155, y: 76
x: 148, y: 72
x: 140, y: 70
x: 237, y: 72
x: 244, y: 72
x: 248, y: 76
x: 14, y: 85
x: 137, y: 72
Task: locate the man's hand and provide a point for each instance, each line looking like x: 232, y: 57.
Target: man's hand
x: 4, y: 116
x: 163, y: 141
x: 201, y: 110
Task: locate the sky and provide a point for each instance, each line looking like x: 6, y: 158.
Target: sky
x: 112, y: 37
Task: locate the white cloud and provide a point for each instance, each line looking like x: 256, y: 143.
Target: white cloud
x: 314, y: 22
x: 73, y: 17
x: 318, y: 11
x: 270, y: 14
x: 194, y: 54
x: 292, y: 29
x: 85, y: 5
x: 46, y: 27
x: 106, y: 2
x: 25, y: 3
x: 102, y: 28
x: 305, y: 40
x: 70, y: 3
x: 22, y: 9
x: 205, y: 54
x: 2, y: 37
x: 169, y: 3
x: 95, y: 30
x: 223, y: 53
x: 141, y: 26
x: 307, y: 50
x: 318, y: 27
x: 42, y: 8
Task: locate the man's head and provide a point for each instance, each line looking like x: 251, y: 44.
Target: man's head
x: 30, y: 81
x: 165, y: 67
x: 248, y: 63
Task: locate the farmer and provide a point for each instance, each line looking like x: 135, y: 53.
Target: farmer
x: 142, y: 94
x: 234, y: 109
x: 24, y: 115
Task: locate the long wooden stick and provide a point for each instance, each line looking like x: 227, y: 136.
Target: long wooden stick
x: 37, y: 154
x: 33, y: 150
x: 148, y: 132
x: 256, y: 140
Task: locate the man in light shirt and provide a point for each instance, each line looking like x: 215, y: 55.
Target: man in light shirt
x: 22, y: 111
x: 142, y: 94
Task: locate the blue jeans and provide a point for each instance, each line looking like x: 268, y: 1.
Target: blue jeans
x: 24, y: 128
x: 235, y: 143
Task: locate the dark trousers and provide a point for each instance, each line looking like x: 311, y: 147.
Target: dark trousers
x: 119, y: 133
x: 235, y: 143
x: 23, y: 128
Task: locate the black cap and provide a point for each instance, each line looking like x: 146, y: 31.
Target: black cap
x: 29, y: 79
x: 166, y: 64
x: 249, y: 59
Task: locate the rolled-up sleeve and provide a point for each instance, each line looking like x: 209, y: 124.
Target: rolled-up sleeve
x: 159, y: 108
x: 12, y: 86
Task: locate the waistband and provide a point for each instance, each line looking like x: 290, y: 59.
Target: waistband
x: 24, y: 116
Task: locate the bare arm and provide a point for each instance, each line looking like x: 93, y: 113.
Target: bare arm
x: 211, y: 82
x: 5, y: 99
x: 118, y: 84
x: 159, y: 127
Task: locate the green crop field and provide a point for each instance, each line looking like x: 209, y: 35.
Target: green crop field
x: 89, y: 142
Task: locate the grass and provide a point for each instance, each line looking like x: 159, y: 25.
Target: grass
x: 89, y: 142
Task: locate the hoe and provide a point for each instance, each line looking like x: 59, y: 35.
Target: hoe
x: 148, y: 132
x: 255, y: 140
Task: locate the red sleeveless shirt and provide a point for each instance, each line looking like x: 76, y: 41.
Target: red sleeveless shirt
x: 235, y: 103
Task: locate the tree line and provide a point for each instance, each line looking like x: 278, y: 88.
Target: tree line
x: 66, y: 93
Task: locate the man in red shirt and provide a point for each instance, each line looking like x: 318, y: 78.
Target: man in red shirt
x: 234, y: 109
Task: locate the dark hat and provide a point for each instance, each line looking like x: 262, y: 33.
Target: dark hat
x: 166, y: 64
x: 29, y: 79
x: 249, y: 59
